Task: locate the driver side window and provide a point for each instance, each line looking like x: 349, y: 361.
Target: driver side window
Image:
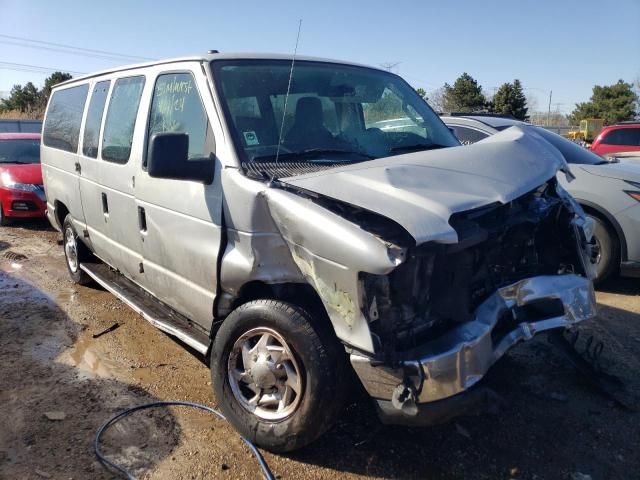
x: 177, y: 108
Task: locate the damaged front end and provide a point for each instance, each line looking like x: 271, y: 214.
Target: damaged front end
x: 443, y: 317
x: 432, y: 265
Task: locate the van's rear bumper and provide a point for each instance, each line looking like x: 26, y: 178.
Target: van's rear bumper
x: 457, y: 360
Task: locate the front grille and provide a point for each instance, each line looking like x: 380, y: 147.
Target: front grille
x: 23, y: 205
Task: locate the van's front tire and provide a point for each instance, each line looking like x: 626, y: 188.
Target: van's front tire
x: 75, y: 252
x: 277, y: 375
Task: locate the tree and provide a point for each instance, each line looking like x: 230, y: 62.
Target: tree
x: 613, y: 103
x: 29, y: 99
x: 464, y: 96
x: 50, y: 82
x: 436, y: 99
x: 510, y: 100
x: 422, y: 92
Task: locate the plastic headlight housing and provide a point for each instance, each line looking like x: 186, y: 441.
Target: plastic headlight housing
x: 7, y: 181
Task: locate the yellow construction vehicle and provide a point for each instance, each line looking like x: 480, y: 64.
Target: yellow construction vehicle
x: 587, y: 131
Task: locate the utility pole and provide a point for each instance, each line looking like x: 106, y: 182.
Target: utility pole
x: 549, y: 111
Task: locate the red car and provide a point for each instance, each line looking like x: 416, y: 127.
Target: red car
x: 21, y: 190
x: 621, y: 137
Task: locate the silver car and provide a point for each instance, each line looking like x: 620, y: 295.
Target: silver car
x: 607, y: 189
x: 252, y: 207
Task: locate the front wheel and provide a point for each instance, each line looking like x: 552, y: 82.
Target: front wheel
x: 608, y: 250
x: 277, y: 375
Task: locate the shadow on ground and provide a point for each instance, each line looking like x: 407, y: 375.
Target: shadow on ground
x: 554, y: 425
x: 51, y: 412
x: 30, y: 224
x: 621, y: 285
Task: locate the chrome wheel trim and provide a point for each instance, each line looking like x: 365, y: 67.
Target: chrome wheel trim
x: 599, y: 247
x: 264, y: 375
x: 71, y: 249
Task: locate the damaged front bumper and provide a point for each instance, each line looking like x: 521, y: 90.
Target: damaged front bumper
x: 457, y: 360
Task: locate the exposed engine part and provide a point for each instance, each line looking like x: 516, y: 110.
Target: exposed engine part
x: 440, y: 286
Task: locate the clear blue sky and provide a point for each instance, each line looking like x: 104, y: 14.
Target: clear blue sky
x: 562, y: 45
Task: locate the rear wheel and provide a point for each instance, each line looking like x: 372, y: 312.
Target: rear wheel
x: 277, y: 375
x: 75, y: 252
x: 608, y: 257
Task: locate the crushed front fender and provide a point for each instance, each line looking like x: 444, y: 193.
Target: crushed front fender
x: 457, y: 360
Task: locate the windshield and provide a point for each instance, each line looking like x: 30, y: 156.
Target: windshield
x: 20, y: 151
x: 572, y: 152
x: 334, y: 114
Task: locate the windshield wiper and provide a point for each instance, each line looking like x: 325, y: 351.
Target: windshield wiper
x: 416, y: 147
x: 315, y: 152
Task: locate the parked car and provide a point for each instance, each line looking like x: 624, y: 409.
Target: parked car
x: 285, y: 253
x: 21, y: 190
x: 621, y: 137
x: 609, y: 192
x: 8, y: 125
x: 623, y: 157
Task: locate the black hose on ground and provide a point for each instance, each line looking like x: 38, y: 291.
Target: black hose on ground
x: 266, y: 471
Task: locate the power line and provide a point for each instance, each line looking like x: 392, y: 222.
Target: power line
x: 60, y: 47
x: 23, y: 67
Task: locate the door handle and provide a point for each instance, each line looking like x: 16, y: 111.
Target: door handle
x: 77, y: 167
x: 142, y: 220
x: 105, y: 204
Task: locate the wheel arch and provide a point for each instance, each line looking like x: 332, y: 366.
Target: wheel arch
x: 61, y: 212
x: 300, y: 294
x: 594, y: 209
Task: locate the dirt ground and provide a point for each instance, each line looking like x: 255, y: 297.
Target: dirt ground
x: 58, y: 384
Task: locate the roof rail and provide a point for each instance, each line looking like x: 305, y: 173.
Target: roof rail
x: 627, y: 122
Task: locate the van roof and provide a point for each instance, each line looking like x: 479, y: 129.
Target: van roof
x: 209, y: 57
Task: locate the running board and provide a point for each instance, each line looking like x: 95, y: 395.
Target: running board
x: 154, y: 311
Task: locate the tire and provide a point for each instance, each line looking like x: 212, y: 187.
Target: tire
x: 316, y: 354
x: 75, y: 252
x: 609, y: 250
x: 4, y: 221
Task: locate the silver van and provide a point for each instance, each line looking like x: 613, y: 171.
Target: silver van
x: 251, y: 206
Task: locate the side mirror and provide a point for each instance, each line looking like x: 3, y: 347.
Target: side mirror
x: 168, y: 157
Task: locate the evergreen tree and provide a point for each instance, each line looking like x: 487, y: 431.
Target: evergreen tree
x: 613, y: 103
x: 510, y: 100
x: 464, y: 96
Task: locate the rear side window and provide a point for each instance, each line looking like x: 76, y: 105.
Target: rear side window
x: 467, y: 136
x: 121, y: 119
x: 177, y: 108
x: 94, y: 119
x: 64, y: 116
x: 623, y: 136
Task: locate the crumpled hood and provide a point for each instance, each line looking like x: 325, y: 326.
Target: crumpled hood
x: 421, y: 191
